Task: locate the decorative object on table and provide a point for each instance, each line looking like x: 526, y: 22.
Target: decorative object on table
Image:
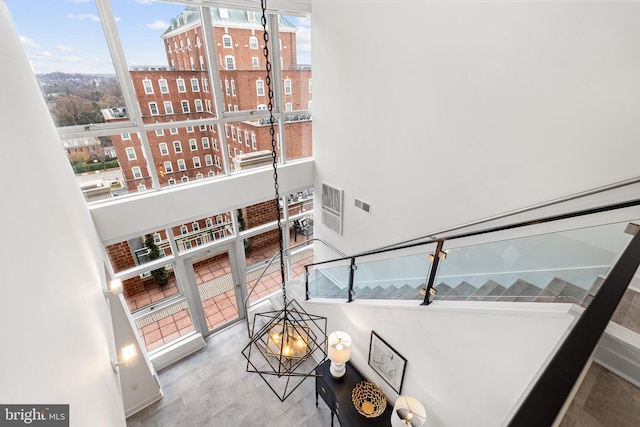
x: 368, y: 399
x: 387, y: 362
x: 339, y: 352
x: 408, y: 412
x: 286, y: 345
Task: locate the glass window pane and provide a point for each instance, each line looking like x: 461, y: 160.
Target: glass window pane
x: 137, y: 251
x: 75, y: 72
x: 203, y: 231
x: 185, y: 154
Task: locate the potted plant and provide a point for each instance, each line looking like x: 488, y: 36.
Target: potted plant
x: 160, y: 275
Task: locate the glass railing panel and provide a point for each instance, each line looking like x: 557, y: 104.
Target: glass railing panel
x: 392, y: 275
x: 565, y: 266
x: 329, y: 280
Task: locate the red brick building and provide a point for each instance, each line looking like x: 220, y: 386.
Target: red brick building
x: 182, y: 91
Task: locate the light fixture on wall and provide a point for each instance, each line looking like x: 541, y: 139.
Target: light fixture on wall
x: 339, y: 352
x: 286, y: 345
x: 407, y: 411
x: 113, y: 288
x: 128, y: 357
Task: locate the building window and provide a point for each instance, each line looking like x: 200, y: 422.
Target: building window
x: 230, y: 62
x: 309, y: 105
x: 253, y: 42
x: 164, y: 149
x: 233, y: 133
x: 131, y: 153
x: 224, y: 13
x: 262, y: 107
x: 181, y: 87
x: 195, y: 86
x: 164, y: 87
x: 198, y: 103
x: 184, y: 179
x: 196, y: 162
x: 168, y: 167
x: 215, y: 143
x: 217, y: 161
x: 235, y: 108
x: 235, y: 152
x: 182, y: 165
x: 153, y: 108
x: 201, y: 63
x: 254, y: 143
x: 233, y: 87
x: 229, y: 107
x: 226, y: 130
x: 148, y: 86
x: 171, y: 181
x: 310, y: 86
x: 177, y: 147
x: 168, y: 107
x: 205, y: 143
x: 185, y: 106
x: 287, y: 86
x: 255, y: 62
x: 193, y: 145
x: 260, y: 87
x: 239, y: 136
x: 137, y: 173
x: 208, y: 160
x: 184, y: 229
x: 211, y: 174
x: 203, y: 128
x: 159, y: 132
x: 141, y: 188
x: 246, y: 137
x: 199, y: 176
x: 173, y: 131
x: 226, y: 41
x: 226, y: 86
x: 251, y: 16
x: 205, y: 85
x: 193, y: 63
x: 126, y: 136
x: 288, y: 106
x: 189, y: 129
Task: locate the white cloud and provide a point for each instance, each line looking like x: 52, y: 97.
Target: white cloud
x: 63, y: 48
x: 28, y: 42
x: 44, y: 54
x: 84, y: 16
x: 143, y: 1
x: 158, y: 25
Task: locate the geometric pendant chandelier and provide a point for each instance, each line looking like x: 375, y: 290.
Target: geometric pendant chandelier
x: 286, y: 345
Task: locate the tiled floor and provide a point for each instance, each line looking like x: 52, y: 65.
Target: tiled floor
x: 218, y: 299
x: 211, y: 388
x: 604, y: 400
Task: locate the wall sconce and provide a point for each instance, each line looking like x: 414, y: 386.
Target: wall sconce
x: 114, y: 288
x: 128, y: 357
x: 339, y: 352
x: 408, y: 412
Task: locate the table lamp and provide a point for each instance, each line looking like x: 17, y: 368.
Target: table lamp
x: 339, y: 352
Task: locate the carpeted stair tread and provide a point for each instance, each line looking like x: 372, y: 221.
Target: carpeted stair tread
x: 559, y: 290
x: 490, y: 291
x: 520, y: 290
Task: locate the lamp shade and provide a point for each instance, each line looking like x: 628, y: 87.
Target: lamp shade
x: 339, y: 347
x: 408, y: 412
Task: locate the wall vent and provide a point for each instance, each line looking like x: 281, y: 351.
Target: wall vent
x: 332, y: 208
x: 363, y: 205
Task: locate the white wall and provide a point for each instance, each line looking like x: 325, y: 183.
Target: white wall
x: 440, y: 113
x: 56, y: 333
x: 467, y: 366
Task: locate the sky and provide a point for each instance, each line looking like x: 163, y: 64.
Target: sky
x: 66, y: 35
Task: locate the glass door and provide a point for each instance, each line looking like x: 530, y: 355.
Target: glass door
x: 215, y: 288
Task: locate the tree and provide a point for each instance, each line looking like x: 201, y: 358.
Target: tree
x: 160, y: 275
x: 71, y: 110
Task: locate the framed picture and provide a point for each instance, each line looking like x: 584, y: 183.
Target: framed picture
x: 387, y: 362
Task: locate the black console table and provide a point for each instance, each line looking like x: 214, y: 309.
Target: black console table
x: 337, y: 395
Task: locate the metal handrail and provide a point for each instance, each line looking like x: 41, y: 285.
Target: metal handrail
x: 574, y: 214
x: 277, y: 256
